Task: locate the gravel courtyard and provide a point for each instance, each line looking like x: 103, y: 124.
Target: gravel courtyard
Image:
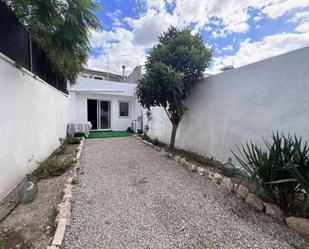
x: 132, y: 196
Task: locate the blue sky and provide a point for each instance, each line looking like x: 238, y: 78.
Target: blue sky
x: 239, y: 31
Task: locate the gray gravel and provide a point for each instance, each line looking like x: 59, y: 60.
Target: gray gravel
x: 132, y: 196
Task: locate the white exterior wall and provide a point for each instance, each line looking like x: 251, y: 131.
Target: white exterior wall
x: 244, y: 104
x: 79, y: 108
x: 112, y: 91
x: 33, y: 115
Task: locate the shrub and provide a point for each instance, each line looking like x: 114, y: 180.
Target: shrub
x: 73, y: 140
x: 146, y: 128
x: 156, y: 141
x: 281, y: 169
x: 51, y: 167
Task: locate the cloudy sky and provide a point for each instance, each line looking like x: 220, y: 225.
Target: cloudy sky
x: 239, y: 31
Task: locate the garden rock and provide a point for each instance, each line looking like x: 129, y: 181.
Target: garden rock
x: 183, y: 161
x: 300, y: 225
x: 217, y: 178
x: 274, y: 211
x: 242, y: 191
x: 227, y: 183
x: 201, y: 171
x: 211, y: 175
x: 191, y: 167
x: 177, y: 158
x: 254, y: 201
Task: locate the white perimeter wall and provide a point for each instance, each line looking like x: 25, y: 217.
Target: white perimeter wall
x: 33, y: 115
x: 243, y: 104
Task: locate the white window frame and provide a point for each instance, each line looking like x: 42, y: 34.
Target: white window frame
x: 129, y: 108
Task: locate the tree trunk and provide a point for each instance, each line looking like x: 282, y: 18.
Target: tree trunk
x: 173, y: 136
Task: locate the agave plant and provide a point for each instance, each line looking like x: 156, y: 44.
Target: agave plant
x: 299, y: 167
x: 281, y: 168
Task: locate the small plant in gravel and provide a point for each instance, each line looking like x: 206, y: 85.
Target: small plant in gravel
x: 62, y: 144
x: 304, y: 246
x: 51, y: 167
x: 2, y: 241
x: 156, y: 141
x: 75, y: 181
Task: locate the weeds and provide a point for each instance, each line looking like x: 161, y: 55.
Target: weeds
x: 75, y: 181
x: 62, y: 144
x: 51, y: 167
x: 2, y: 241
x: 72, y: 140
x: 156, y: 141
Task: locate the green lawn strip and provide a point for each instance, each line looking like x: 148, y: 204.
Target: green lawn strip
x: 108, y: 134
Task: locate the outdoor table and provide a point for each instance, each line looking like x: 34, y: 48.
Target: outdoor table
x: 79, y: 127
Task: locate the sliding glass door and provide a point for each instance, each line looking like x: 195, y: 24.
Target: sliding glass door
x: 104, y: 114
x: 99, y: 114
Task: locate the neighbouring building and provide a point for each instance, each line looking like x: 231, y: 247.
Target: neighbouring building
x: 137, y: 72
x: 101, y: 75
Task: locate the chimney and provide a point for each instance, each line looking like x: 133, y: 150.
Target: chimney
x: 123, y: 70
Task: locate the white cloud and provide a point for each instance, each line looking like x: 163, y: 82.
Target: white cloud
x: 278, y: 7
x: 300, y: 17
x: 115, y: 17
x: 272, y: 45
x: 218, y: 34
x: 149, y: 26
x: 257, y: 18
x: 303, y: 28
x: 228, y: 48
x: 117, y: 49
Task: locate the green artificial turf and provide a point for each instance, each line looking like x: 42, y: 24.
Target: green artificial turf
x: 106, y: 134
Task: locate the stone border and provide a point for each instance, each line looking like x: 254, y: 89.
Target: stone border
x: 300, y: 225
x: 64, y: 208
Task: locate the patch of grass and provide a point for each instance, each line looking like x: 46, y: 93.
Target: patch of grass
x: 75, y: 181
x: 3, y: 239
x: 31, y: 246
x: 108, y: 134
x: 304, y: 246
x: 79, y: 134
x: 14, y: 239
x: 51, y: 167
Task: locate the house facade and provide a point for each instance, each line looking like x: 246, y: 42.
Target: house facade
x: 108, y: 105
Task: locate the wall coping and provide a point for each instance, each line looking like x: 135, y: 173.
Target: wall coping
x: 24, y: 70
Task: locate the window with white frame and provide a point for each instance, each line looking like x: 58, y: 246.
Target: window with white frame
x: 124, y: 107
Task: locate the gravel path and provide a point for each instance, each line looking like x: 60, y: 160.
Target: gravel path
x: 132, y: 196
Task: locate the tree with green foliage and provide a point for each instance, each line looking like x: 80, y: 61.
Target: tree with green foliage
x: 173, y: 67
x: 61, y: 28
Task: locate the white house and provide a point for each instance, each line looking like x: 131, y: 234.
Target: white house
x: 108, y: 105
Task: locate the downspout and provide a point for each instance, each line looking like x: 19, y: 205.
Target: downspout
x: 30, y: 52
